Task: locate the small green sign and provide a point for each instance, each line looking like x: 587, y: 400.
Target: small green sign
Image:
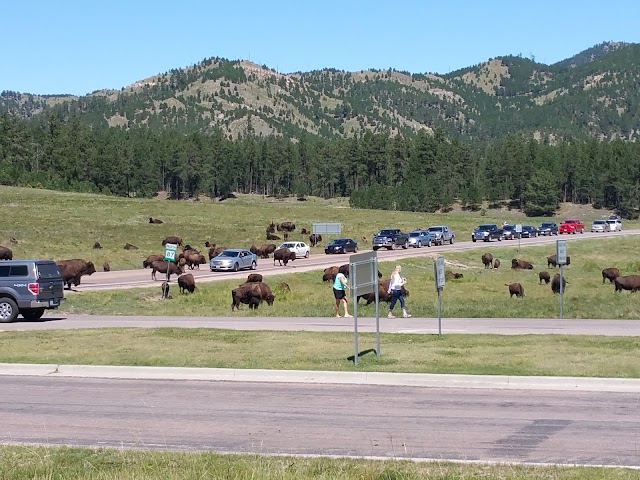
x: 170, y: 252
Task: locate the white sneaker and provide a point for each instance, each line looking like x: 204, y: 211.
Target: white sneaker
x: 391, y: 315
x: 406, y: 315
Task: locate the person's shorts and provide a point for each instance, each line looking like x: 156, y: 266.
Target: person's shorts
x: 339, y: 294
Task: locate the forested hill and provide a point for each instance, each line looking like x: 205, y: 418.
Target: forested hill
x: 593, y: 94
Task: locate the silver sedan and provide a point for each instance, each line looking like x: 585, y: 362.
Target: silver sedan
x: 234, y: 259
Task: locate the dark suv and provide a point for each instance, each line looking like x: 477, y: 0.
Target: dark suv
x: 28, y: 288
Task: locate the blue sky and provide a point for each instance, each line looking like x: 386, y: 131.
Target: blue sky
x: 73, y: 46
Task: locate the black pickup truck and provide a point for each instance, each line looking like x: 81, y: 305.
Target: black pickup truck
x: 390, y: 238
x: 487, y: 232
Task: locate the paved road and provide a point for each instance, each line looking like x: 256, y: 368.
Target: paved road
x: 542, y: 426
x: 504, y: 326
x: 142, y: 277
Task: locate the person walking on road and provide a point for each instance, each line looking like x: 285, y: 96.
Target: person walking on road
x: 340, y: 286
x: 395, y: 290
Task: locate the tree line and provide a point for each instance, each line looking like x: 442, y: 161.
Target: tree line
x: 426, y: 172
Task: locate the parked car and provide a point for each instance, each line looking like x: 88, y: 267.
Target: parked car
x: 571, y: 225
x: 548, y: 228
x: 599, y: 226
x: 418, y: 238
x: 529, y: 231
x: 487, y: 232
x: 442, y: 234
x: 509, y: 232
x: 234, y: 259
x: 390, y: 238
x: 301, y: 249
x: 615, y: 225
x: 341, y: 245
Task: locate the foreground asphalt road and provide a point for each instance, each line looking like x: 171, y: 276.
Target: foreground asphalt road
x: 142, y: 277
x: 542, y: 426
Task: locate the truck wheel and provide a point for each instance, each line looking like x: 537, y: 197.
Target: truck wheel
x: 429, y: 243
x: 419, y: 244
x: 451, y: 241
x: 392, y: 247
x: 8, y: 310
x: 375, y: 248
x: 254, y: 265
x: 406, y: 245
x: 236, y: 267
x: 32, y: 314
x: 473, y: 239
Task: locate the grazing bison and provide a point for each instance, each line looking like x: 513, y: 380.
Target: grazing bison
x: 6, y: 253
x: 187, y: 283
x: 97, y: 245
x: 515, y: 289
x: 629, y: 282
x: 553, y: 261
x: 314, y: 239
x: 283, y: 255
x: 383, y: 295
x: 304, y: 231
x: 155, y: 220
x: 286, y: 227
x: 611, y: 274
x: 254, y: 277
x: 544, y: 276
x: 487, y: 260
x: 130, y: 246
x: 251, y: 294
x: 283, y: 287
x: 329, y: 274
x: 161, y: 266
x: 496, y: 263
x: 449, y: 275
x: 152, y: 258
x: 555, y: 283
x: 73, y: 270
x: 194, y: 259
x: 106, y: 267
x: 165, y: 289
x: 172, y: 239
x: 517, y: 263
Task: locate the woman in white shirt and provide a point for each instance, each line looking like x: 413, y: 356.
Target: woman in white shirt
x: 395, y: 289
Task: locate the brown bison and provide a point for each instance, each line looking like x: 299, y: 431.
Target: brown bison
x: 155, y: 220
x: 283, y: 255
x: 517, y: 263
x: 515, y: 289
x: 6, y: 253
x: 629, y: 282
x: 449, y: 275
x: 130, y: 246
x: 487, y: 260
x: 304, y: 231
x: 314, y: 239
x: 251, y: 294
x: 329, y: 274
x: 97, y: 245
x: 555, y: 283
x: 254, y: 277
x: 165, y: 290
x: 215, y: 251
x: 496, y: 263
x: 283, y: 287
x: 161, y: 266
x: 552, y: 260
x: 194, y: 259
x: 73, y: 270
x: 106, y: 267
x: 610, y: 274
x: 383, y: 295
x: 172, y: 239
x: 544, y: 276
x: 286, y: 227
x: 264, y: 250
x: 186, y: 283
x: 152, y: 258
x: 271, y: 236
x: 271, y: 228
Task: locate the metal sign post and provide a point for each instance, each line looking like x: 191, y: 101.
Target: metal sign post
x: 561, y: 259
x: 170, y: 250
x: 519, y: 232
x: 439, y: 278
x: 363, y: 279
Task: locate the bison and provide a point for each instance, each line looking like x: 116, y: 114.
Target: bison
x: 254, y: 277
x: 172, y: 239
x: 155, y: 220
x: 283, y: 255
x: 555, y: 283
x: 152, y: 258
x: 544, y: 276
x: 186, y: 283
x: 553, y: 261
x: 161, y: 266
x: 73, y: 270
x: 271, y: 236
x: 449, y: 275
x: 165, y: 290
x: 611, y: 274
x: 304, y: 231
x: 215, y: 251
x: 383, y: 295
x: 286, y: 227
x: 283, y: 287
x: 517, y: 263
x: 487, y: 260
x: 106, y: 267
x: 251, y: 294
x: 130, y: 246
x: 6, y: 253
x: 496, y: 263
x: 271, y: 228
x: 193, y: 259
x: 515, y: 289
x: 329, y: 274
x: 97, y: 245
x: 314, y: 239
x: 629, y: 282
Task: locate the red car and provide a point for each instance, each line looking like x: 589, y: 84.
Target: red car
x: 571, y: 225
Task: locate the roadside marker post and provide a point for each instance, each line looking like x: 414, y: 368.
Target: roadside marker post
x: 170, y: 250
x: 439, y: 278
x: 363, y: 279
x: 561, y: 258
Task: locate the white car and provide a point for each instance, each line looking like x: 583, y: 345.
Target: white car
x: 615, y: 225
x: 301, y: 249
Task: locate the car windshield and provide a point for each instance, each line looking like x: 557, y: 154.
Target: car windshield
x: 340, y: 241
x: 229, y: 253
x: 415, y: 234
x: 287, y: 245
x: 509, y: 227
x: 435, y: 229
x: 612, y: 221
x: 485, y: 227
x: 570, y: 221
x: 387, y: 232
x: 599, y: 222
x: 527, y: 227
x: 546, y: 225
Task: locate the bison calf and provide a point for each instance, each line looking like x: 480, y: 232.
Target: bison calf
x: 496, y: 263
x: 610, y: 274
x: 515, y: 289
x: 544, y: 276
